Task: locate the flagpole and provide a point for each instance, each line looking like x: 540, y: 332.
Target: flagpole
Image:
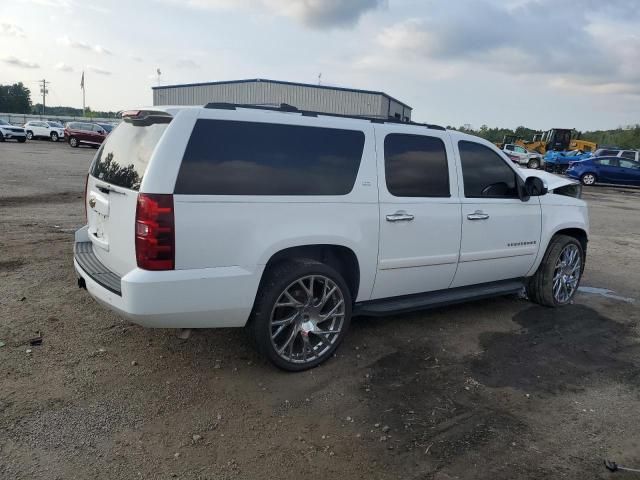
x: 83, y: 102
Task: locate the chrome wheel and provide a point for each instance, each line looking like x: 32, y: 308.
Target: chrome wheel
x: 533, y: 163
x: 307, y: 319
x: 566, y: 274
x: 29, y: 135
x: 73, y: 142
x: 54, y: 137
x: 588, y: 179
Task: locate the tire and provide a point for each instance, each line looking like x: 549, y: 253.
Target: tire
x: 22, y: 139
x: 73, y: 141
x: 588, y: 179
x: 542, y: 286
x: 295, y: 343
x: 29, y: 135
x: 533, y: 163
x: 54, y: 137
x: 1, y: 138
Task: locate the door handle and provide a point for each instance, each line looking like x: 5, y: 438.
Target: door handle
x: 400, y: 216
x: 478, y: 215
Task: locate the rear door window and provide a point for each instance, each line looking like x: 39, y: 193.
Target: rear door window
x: 416, y: 166
x: 629, y: 155
x: 125, y: 154
x: 629, y: 164
x: 485, y: 173
x: 608, y: 162
x: 249, y: 158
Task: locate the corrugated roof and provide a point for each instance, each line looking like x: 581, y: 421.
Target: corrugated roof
x: 281, y: 82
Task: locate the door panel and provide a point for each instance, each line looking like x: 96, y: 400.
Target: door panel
x: 419, y: 235
x: 504, y: 245
x: 500, y: 233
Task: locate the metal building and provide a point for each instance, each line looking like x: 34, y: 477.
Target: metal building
x: 318, y: 98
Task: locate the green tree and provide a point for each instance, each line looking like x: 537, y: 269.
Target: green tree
x: 15, y: 98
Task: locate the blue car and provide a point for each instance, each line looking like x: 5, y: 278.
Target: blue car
x: 616, y: 170
x: 558, y: 162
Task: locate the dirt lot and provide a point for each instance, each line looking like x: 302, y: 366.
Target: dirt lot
x: 489, y: 390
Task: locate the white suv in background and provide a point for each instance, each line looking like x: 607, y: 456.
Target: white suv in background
x: 524, y: 156
x: 11, y: 132
x: 42, y: 129
x: 289, y: 222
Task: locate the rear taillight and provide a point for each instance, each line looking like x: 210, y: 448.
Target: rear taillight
x: 86, y: 189
x: 155, y: 232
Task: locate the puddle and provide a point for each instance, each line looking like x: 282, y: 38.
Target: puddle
x: 606, y: 293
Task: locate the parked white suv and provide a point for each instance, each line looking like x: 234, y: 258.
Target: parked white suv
x: 524, y: 156
x: 42, y: 129
x: 291, y: 222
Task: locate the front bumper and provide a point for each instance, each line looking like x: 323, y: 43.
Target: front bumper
x: 13, y: 135
x: 199, y: 298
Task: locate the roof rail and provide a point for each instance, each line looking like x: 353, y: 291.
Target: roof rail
x: 285, y: 107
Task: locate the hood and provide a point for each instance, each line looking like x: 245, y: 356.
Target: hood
x: 551, y: 180
x: 12, y: 127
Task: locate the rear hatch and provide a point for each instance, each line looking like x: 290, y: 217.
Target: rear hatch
x: 114, y: 180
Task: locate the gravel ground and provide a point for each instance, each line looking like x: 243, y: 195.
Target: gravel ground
x: 496, y: 389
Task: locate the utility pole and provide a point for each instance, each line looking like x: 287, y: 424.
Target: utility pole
x: 44, y: 91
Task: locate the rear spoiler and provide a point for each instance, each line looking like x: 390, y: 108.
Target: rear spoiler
x: 143, y: 118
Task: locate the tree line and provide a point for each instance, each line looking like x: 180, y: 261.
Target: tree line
x: 623, y: 137
x: 16, y: 98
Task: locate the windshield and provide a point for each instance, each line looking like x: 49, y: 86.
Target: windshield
x: 106, y: 127
x: 2, y: 122
x: 123, y: 158
x: 55, y: 124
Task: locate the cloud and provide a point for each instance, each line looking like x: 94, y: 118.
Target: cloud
x: 319, y: 14
x: 11, y: 30
x: 136, y: 59
x: 63, y: 67
x: 575, y: 42
x: 68, y: 42
x: 98, y: 70
x: 187, y: 63
x: 16, y: 62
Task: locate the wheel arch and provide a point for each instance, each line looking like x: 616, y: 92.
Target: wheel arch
x: 577, y: 232
x: 343, y: 259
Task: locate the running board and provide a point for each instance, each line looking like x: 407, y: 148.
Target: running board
x: 439, y: 298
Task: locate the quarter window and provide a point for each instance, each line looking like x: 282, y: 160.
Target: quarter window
x: 250, y: 158
x: 485, y: 173
x: 416, y: 166
x: 629, y: 155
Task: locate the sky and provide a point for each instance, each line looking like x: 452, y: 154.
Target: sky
x: 538, y: 63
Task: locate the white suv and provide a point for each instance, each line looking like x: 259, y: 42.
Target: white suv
x: 41, y: 129
x: 290, y: 222
x: 524, y: 156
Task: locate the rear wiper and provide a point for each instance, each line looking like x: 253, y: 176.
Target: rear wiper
x: 108, y: 188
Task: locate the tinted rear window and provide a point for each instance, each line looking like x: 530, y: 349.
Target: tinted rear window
x: 249, y: 158
x: 123, y: 158
x: 416, y: 166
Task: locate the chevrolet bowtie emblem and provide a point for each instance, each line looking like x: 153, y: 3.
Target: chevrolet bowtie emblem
x: 92, y: 202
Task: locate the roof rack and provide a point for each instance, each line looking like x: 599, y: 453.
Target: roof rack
x: 285, y: 107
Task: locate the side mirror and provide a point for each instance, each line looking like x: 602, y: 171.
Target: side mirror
x: 535, y: 187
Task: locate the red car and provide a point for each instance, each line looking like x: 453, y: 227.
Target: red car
x: 79, y: 133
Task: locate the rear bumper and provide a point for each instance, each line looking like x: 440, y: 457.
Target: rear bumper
x: 202, y: 298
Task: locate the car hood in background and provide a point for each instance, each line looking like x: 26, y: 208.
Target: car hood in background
x: 551, y: 180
